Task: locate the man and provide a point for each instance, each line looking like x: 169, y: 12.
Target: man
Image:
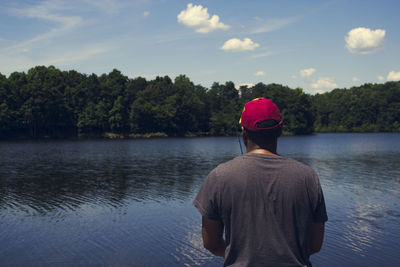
x: 270, y: 208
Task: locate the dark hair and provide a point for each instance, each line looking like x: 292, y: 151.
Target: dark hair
x: 262, y: 138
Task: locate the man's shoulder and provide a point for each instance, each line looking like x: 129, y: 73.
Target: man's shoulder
x: 226, y: 169
x: 293, y: 163
x: 230, y: 165
x: 256, y: 162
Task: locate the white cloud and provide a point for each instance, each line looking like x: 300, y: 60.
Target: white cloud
x: 294, y: 76
x: 380, y: 78
x: 248, y: 85
x: 236, y: 44
x: 197, y: 17
x: 319, y: 91
x: 393, y: 76
x: 307, y: 72
x: 364, y: 41
x: 146, y: 13
x: 324, y: 83
x: 355, y: 79
x: 259, y: 73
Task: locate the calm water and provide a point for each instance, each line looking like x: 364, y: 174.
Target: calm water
x: 128, y: 202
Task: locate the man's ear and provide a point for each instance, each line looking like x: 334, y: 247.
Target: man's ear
x: 244, y: 135
x: 280, y: 131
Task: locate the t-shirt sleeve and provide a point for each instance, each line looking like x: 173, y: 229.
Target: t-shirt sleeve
x: 320, y: 214
x: 319, y: 211
x: 206, y: 200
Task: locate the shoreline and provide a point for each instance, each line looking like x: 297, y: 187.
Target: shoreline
x: 114, y: 136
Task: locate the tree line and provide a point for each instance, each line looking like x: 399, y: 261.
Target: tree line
x: 48, y: 102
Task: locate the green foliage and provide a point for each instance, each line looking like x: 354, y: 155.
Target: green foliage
x: 117, y: 116
x: 148, y: 135
x: 48, y: 102
x: 368, y: 108
x: 225, y: 109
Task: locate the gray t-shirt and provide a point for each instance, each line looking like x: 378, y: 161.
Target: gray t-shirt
x: 267, y: 205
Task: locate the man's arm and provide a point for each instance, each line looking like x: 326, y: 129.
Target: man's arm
x: 317, y: 237
x: 212, y: 232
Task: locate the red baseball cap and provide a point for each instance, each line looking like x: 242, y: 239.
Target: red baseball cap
x: 258, y: 110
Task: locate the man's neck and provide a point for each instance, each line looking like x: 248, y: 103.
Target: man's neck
x: 254, y: 149
x: 263, y: 151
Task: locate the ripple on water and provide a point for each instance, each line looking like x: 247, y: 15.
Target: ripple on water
x: 122, y: 203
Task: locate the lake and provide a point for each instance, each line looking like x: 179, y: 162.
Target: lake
x: 128, y: 202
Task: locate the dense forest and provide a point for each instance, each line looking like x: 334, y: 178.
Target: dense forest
x: 48, y: 102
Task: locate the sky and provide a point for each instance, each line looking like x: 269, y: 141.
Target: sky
x: 316, y: 45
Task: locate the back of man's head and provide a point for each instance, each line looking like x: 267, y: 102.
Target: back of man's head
x: 262, y: 121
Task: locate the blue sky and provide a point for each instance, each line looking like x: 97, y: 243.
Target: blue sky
x: 315, y: 45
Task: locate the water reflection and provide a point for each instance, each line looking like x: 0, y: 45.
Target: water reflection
x: 360, y: 175
x: 40, y: 178
x: 123, y: 202
x: 189, y: 250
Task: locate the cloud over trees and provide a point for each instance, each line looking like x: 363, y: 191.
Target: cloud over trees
x: 364, y: 40
x: 307, y: 72
x: 259, y: 73
x: 236, y: 44
x: 324, y: 83
x: 393, y: 76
